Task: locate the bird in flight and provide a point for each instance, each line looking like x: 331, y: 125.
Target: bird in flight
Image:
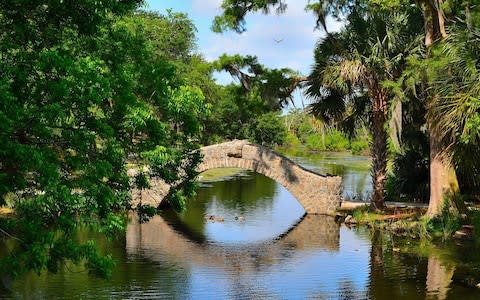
x: 278, y: 41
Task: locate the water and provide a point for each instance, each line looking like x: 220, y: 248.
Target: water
x: 260, y: 245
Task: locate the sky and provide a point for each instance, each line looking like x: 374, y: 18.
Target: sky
x: 278, y: 41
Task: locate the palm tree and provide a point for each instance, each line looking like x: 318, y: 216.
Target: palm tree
x: 350, y: 70
x: 454, y: 112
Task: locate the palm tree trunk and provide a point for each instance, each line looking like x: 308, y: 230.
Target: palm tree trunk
x: 434, y: 20
x: 379, y: 146
x: 443, y: 180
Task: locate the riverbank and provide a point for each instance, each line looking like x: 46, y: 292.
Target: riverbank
x: 6, y: 212
x: 408, y: 219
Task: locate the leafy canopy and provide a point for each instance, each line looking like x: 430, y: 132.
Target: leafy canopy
x: 83, y: 93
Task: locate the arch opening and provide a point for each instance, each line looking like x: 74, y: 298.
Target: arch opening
x: 317, y: 193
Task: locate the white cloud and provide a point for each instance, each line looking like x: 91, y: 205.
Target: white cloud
x: 207, y: 6
x: 278, y: 41
x: 295, y: 29
x: 286, y: 40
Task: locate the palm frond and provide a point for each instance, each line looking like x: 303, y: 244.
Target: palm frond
x: 329, y: 105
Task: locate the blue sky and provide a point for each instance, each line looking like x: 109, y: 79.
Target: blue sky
x: 295, y: 29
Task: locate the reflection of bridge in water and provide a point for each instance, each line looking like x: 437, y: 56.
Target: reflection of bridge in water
x: 157, y: 239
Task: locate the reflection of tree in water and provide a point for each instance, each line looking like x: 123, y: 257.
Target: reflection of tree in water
x: 245, y: 192
x: 421, y: 270
x: 396, y: 275
x: 337, y: 169
x: 355, y: 181
x: 238, y: 195
x: 439, y: 277
x: 129, y: 280
x: 361, y: 187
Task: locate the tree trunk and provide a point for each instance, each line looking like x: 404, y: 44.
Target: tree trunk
x: 434, y: 21
x: 443, y: 180
x: 379, y: 146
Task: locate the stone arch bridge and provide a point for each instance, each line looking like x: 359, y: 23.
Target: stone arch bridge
x: 317, y: 193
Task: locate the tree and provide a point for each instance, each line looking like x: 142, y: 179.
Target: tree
x: 455, y: 83
x: 370, y: 50
x: 82, y: 95
x: 275, y: 86
x: 172, y: 38
x: 443, y: 180
x: 254, y: 103
x: 350, y: 68
x: 436, y: 16
x: 269, y: 130
x: 422, y: 73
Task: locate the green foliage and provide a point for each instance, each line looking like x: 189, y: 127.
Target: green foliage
x: 172, y: 36
x: 359, y: 146
x: 472, y: 124
x: 83, y: 92
x: 234, y: 13
x: 242, y: 113
x: 301, y: 124
x: 341, y: 80
x: 454, y: 70
x: 409, y: 180
x: 443, y: 225
x: 451, y: 73
x: 269, y: 130
x: 474, y: 216
x: 304, y: 129
x: 292, y: 141
x: 315, y: 142
x: 332, y: 140
x: 336, y: 141
x: 274, y: 86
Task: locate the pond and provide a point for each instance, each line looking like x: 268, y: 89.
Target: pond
x: 246, y: 237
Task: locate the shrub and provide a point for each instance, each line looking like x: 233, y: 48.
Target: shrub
x: 336, y: 141
x: 410, y: 178
x: 292, y: 141
x: 315, y: 142
x: 359, y: 146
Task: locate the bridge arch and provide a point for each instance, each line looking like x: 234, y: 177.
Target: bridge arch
x: 317, y: 193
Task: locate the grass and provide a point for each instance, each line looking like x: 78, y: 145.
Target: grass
x: 411, y: 222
